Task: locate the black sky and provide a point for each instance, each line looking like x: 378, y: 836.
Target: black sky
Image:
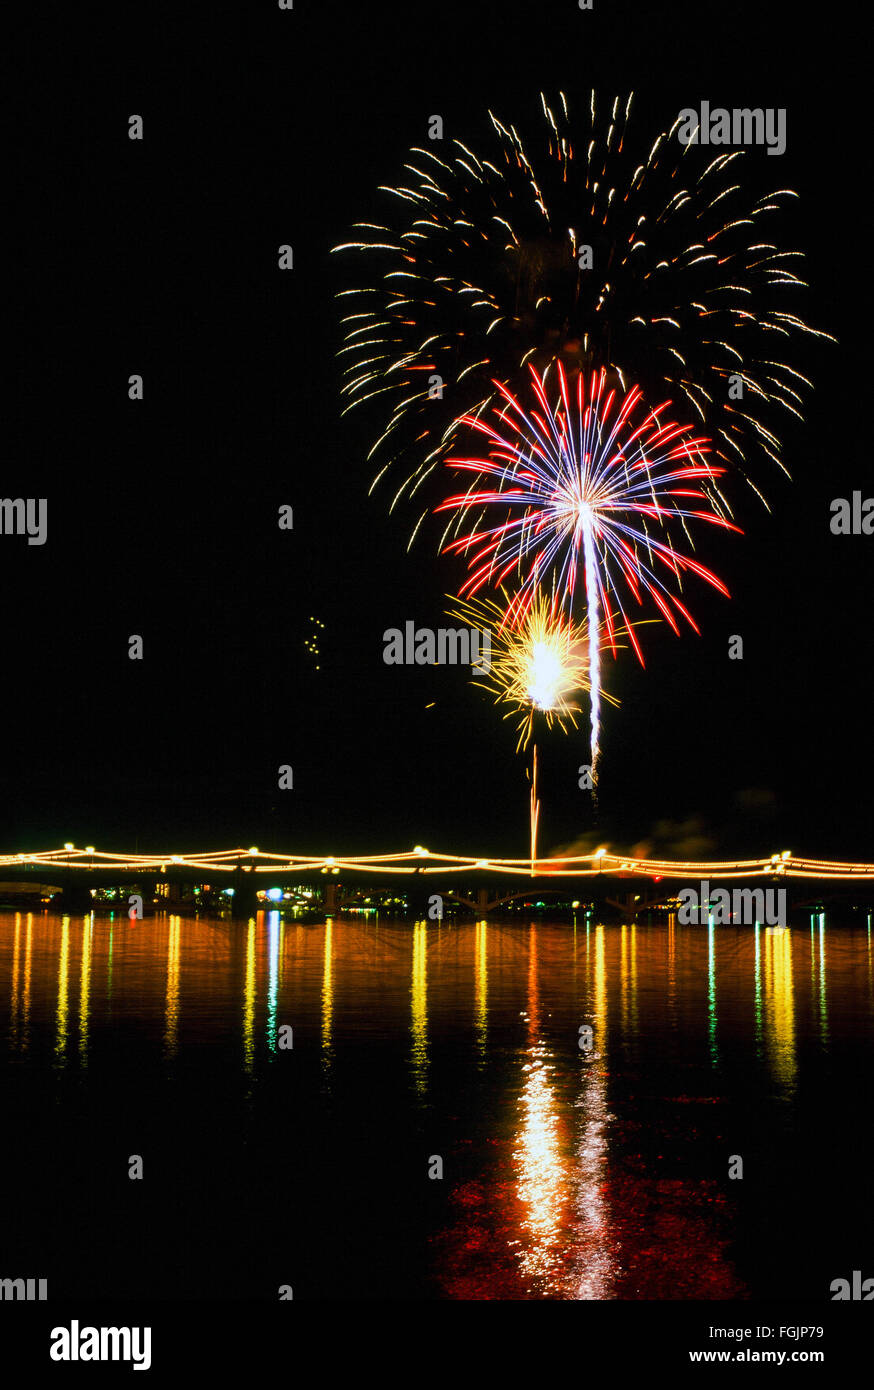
x: 264, y: 127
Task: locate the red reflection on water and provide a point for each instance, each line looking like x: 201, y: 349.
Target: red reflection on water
x: 568, y: 1206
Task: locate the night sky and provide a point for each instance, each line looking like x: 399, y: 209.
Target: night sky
x: 160, y: 257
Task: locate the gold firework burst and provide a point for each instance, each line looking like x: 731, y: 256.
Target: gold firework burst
x: 539, y: 663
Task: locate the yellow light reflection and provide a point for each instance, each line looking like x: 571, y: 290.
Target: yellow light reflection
x: 25, y: 1002
x: 419, y: 1007
x: 249, y: 1003
x: 171, y: 1007
x: 63, y: 965
x: 780, y: 1007
x: 823, y: 997
x: 14, y: 1002
x: 481, y: 982
x: 757, y: 977
x: 85, y: 988
x: 328, y: 996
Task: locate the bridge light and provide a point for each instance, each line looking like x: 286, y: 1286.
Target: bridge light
x: 175, y: 859
x: 335, y: 871
x: 787, y: 854
x: 420, y: 849
x: 89, y: 849
x: 599, y: 853
x: 253, y: 849
x: 69, y: 845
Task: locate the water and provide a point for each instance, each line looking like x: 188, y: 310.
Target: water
x: 567, y: 1173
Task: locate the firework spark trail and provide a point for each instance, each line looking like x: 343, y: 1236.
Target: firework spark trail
x: 535, y: 809
x: 589, y: 484
x: 594, y: 648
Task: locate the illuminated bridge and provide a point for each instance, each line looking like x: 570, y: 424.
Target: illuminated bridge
x: 482, y: 884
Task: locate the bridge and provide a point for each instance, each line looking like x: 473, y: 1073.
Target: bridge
x: 70, y: 878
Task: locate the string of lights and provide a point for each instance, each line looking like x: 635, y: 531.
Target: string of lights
x: 423, y: 861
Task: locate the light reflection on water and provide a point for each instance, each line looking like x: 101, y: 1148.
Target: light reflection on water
x: 781, y: 1009
x: 543, y: 1174
x: 63, y: 966
x: 174, y: 945
x: 481, y: 957
x: 327, y: 997
x: 596, y: 1256
x: 419, y: 1007
x: 565, y: 1173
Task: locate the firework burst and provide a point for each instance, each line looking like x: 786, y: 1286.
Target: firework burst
x: 539, y: 662
x: 652, y: 262
x: 582, y: 485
